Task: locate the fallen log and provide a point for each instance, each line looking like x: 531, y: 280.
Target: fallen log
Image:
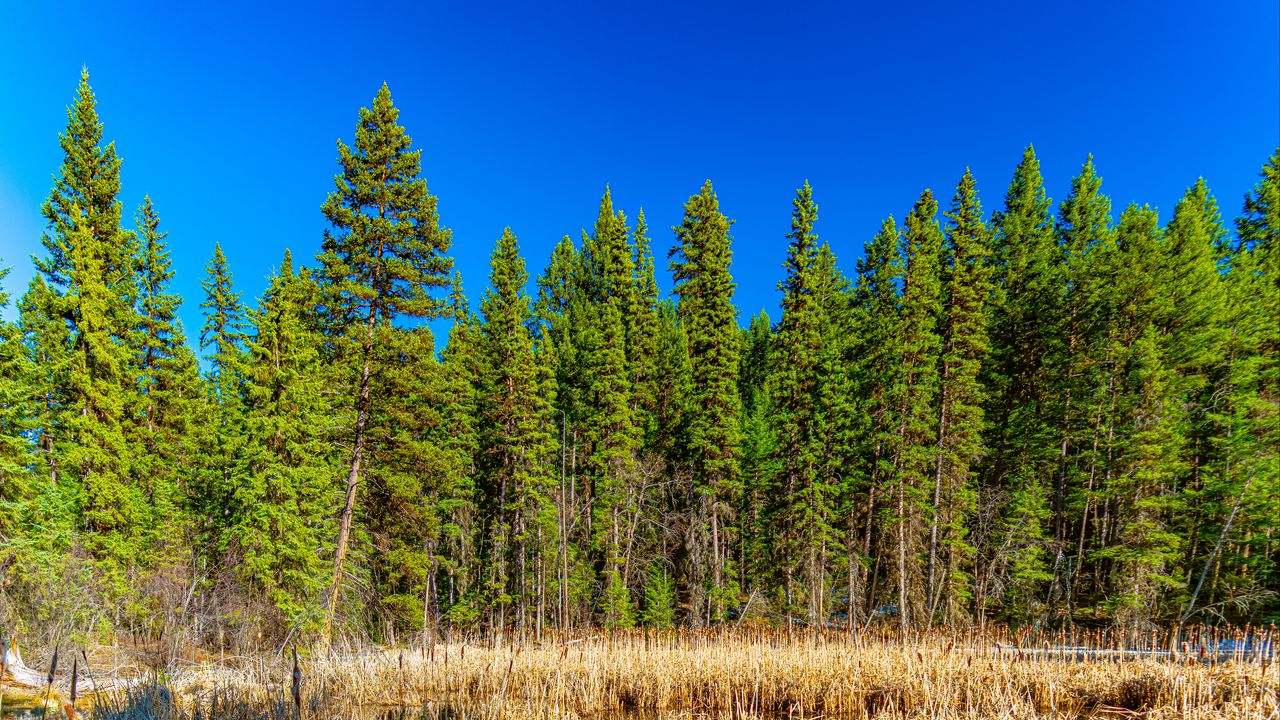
x: 20, y: 686
x: 24, y: 688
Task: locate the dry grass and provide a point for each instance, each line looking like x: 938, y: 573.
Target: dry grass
x: 747, y: 674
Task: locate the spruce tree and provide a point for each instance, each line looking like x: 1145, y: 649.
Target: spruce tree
x: 839, y: 480
x: 875, y: 368
x: 516, y: 486
x: 966, y: 315
x: 88, y: 184
x: 225, y: 329
x: 700, y: 265
x: 614, y: 441
x: 1020, y: 439
x: 114, y: 510
x: 47, y: 337
x: 17, y: 375
x: 1143, y: 467
x: 1083, y: 371
x: 642, y: 334
x: 172, y: 415
x: 279, y: 523
x: 461, y: 366
x: 89, y: 285
x: 382, y: 255
x: 914, y: 396
x: 606, y: 255
x: 794, y: 375
x: 759, y: 509
x: 223, y: 336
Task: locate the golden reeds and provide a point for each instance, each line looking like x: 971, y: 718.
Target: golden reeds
x: 746, y: 674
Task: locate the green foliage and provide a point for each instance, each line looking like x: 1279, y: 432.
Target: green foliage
x: 914, y: 392
x: 700, y: 265
x: 279, y: 517
x: 1048, y: 418
x: 659, y: 598
x: 515, y: 442
x: 806, y: 535
x: 382, y: 256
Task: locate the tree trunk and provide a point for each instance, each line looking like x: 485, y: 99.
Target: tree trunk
x: 353, y: 484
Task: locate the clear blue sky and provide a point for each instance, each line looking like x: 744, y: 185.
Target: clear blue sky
x: 227, y: 113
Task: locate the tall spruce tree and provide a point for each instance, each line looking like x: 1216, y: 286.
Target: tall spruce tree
x: 516, y: 488
x: 171, y: 419
x: 838, y: 478
x: 1020, y: 438
x: 700, y: 265
x: 279, y: 526
x: 915, y: 394
x: 964, y: 329
x: 461, y: 367
x: 875, y: 367
x: 794, y: 374
x: 89, y: 284
x: 1083, y: 373
x: 223, y: 336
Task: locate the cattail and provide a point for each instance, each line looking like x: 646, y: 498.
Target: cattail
x: 297, y: 682
x: 53, y: 669
x: 53, y: 666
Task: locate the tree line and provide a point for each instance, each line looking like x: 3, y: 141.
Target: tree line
x: 1043, y: 415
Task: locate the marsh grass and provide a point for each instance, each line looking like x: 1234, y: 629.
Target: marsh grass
x: 740, y: 675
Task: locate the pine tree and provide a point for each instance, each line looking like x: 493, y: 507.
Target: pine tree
x: 700, y: 264
x: 381, y: 257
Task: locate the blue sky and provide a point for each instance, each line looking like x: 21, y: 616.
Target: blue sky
x: 227, y: 113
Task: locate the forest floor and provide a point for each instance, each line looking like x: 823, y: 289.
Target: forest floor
x: 741, y: 675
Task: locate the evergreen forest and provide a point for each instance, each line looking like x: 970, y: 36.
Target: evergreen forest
x: 1016, y: 410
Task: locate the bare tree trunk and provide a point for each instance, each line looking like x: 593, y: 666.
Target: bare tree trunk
x: 937, y: 499
x: 713, y: 604
x: 902, y: 555
x: 1222, y: 537
x: 353, y: 484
